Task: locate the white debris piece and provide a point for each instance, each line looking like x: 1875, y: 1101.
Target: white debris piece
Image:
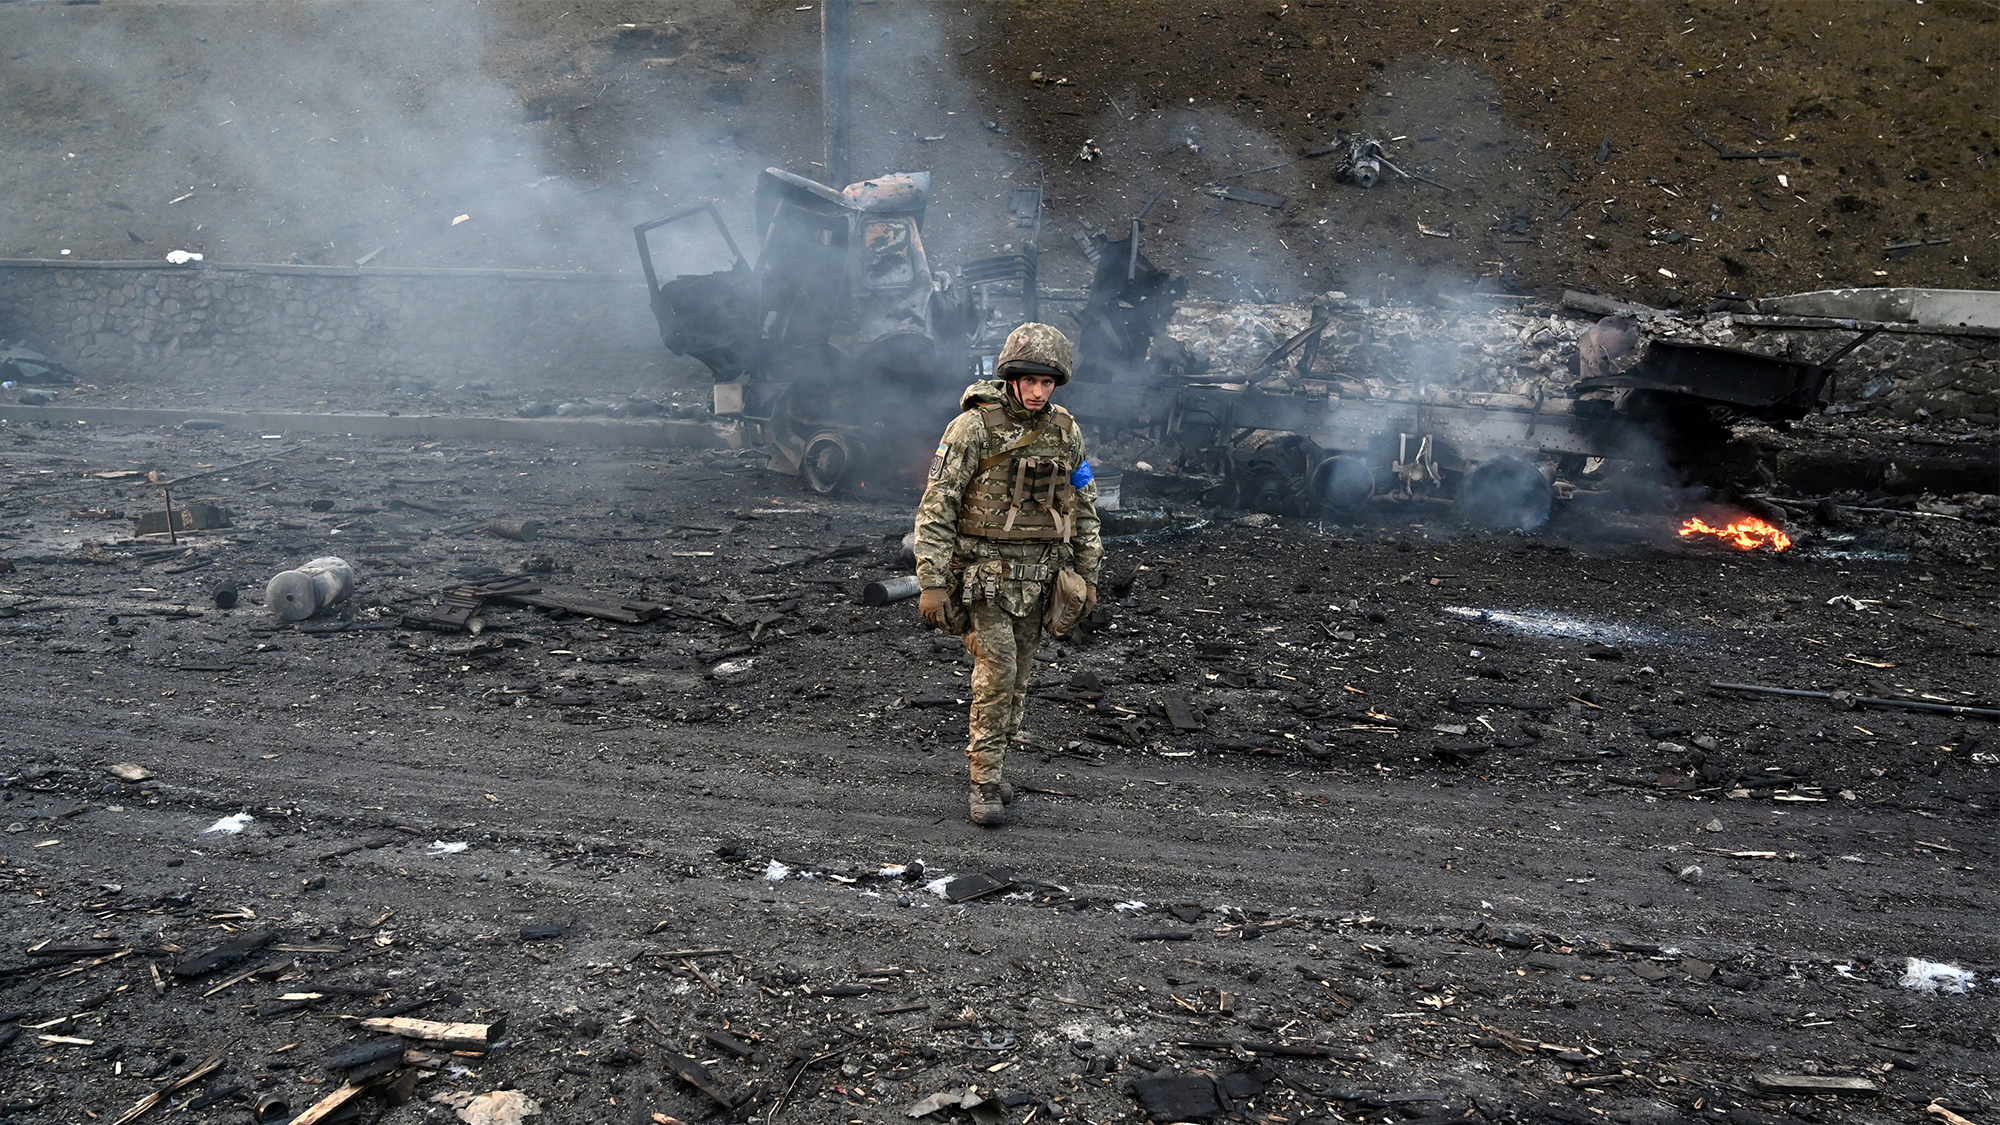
x: 936, y: 886
x: 776, y: 871
x: 230, y: 825
x: 178, y: 257
x: 501, y: 1107
x: 1122, y: 907
x: 734, y: 667
x: 441, y: 847
x: 1936, y: 976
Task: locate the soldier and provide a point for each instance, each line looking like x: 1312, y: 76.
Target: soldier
x: 1008, y: 524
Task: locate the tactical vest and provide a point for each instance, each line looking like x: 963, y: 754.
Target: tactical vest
x: 1019, y: 498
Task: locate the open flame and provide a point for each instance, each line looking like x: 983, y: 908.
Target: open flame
x: 1747, y: 533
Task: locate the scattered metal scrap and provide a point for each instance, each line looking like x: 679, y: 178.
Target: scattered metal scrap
x: 1362, y: 159
x: 1245, y: 195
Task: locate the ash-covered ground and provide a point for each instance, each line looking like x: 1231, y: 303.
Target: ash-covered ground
x: 1460, y: 829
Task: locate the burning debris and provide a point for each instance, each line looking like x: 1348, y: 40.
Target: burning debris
x: 1746, y: 533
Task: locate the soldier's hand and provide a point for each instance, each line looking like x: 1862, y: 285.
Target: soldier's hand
x: 1089, y: 599
x: 930, y: 603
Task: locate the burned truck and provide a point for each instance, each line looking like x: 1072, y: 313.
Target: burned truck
x: 838, y: 340
x: 843, y: 345
x: 1298, y: 440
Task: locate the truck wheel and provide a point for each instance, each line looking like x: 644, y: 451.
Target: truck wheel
x: 1342, y: 485
x: 1505, y: 494
x: 826, y: 462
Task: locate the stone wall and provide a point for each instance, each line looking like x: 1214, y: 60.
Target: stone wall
x: 153, y: 323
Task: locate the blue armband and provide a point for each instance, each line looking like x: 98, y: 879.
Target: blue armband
x: 1082, y: 476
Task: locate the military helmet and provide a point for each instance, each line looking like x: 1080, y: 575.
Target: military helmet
x: 1035, y: 349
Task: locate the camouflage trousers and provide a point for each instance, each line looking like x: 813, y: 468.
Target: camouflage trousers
x: 1003, y: 650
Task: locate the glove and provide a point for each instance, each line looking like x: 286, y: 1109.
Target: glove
x: 1089, y: 599
x: 931, y: 604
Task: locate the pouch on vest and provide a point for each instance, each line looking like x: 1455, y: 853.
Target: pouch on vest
x: 1066, y: 597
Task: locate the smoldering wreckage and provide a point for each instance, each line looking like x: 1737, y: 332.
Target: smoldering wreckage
x: 1286, y: 434
x: 1483, y: 404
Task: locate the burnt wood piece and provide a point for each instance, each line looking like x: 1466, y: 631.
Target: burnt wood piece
x: 460, y: 604
x: 1181, y: 715
x: 223, y: 955
x: 632, y: 612
x: 697, y: 1075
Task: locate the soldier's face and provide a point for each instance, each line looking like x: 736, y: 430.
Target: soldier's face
x: 1034, y: 391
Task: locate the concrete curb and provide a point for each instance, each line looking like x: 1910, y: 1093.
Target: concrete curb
x: 211, y: 268
x: 668, y: 433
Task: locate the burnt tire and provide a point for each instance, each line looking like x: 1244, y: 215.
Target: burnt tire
x: 1505, y: 494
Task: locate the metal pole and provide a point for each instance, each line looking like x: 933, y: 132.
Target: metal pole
x: 835, y: 102
x: 1862, y: 700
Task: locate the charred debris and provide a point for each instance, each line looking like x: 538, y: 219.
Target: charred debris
x: 841, y: 345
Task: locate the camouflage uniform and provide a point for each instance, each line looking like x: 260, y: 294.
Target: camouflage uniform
x: 970, y: 542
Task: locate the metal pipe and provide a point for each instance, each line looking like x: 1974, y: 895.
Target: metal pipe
x: 1863, y: 700
x: 893, y: 590
x: 835, y: 102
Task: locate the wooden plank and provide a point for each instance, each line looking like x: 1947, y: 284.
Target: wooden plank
x: 203, y: 1069
x: 1813, y: 1084
x: 476, y: 1035
x: 324, y: 1107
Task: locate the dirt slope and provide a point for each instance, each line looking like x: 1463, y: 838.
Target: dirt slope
x: 1570, y: 135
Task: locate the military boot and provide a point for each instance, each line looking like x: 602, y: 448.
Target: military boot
x: 987, y: 807
x: 1006, y: 792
